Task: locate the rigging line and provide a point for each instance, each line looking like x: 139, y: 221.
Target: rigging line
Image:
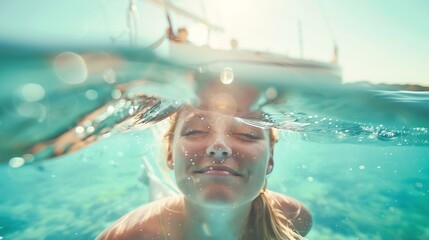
x: 331, y: 32
x: 327, y: 22
x: 186, y: 14
x: 158, y: 42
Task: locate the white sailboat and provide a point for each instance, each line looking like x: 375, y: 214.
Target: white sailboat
x: 251, y: 63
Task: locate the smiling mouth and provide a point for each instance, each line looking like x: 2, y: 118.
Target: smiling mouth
x: 218, y: 171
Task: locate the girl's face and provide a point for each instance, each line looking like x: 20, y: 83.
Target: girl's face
x: 217, y: 159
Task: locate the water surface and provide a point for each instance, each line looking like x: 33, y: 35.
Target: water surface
x: 355, y: 154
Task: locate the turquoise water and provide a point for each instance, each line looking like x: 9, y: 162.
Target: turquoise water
x: 356, y: 154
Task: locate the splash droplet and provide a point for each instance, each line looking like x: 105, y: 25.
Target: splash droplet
x: 16, y: 162
x: 79, y: 130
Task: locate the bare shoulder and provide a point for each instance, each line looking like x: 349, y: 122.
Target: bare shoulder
x: 295, y: 211
x: 141, y: 223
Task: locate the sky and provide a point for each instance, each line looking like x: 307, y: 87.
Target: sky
x: 381, y: 41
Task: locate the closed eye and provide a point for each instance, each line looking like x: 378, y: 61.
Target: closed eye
x: 248, y: 136
x: 194, y: 132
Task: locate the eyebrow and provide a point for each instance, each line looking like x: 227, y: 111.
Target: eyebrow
x: 194, y: 116
x: 240, y: 124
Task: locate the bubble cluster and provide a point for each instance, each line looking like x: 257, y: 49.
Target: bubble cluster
x: 325, y: 129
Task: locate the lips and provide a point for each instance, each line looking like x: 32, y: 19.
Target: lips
x: 218, y: 170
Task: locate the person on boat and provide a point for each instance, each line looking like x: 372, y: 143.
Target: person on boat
x: 220, y: 166
x: 234, y: 44
x: 182, y: 35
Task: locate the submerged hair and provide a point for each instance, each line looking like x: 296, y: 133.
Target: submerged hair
x: 267, y: 222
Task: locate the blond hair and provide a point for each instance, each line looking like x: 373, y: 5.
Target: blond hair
x: 268, y: 222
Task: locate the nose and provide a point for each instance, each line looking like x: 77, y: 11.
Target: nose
x: 219, y: 150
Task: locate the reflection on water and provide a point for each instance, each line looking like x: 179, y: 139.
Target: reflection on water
x: 356, y: 155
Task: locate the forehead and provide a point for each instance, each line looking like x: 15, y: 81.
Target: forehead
x: 193, y: 115
x: 229, y: 99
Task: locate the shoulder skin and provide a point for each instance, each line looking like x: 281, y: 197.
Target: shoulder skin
x: 141, y: 223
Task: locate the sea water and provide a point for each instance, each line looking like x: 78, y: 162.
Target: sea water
x: 357, y: 155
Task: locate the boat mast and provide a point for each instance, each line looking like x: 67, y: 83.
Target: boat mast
x: 301, y: 47
x: 133, y: 22
x: 209, y: 30
x: 334, y: 59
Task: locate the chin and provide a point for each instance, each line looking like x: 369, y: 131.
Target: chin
x: 219, y: 198
x: 213, y: 193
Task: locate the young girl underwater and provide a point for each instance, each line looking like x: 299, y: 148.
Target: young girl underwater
x: 220, y: 165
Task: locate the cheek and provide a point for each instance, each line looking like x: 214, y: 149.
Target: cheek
x: 188, y: 151
x: 252, y: 153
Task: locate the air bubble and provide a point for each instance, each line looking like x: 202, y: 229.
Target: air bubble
x: 227, y: 76
x: 90, y: 129
x: 28, y: 157
x: 110, y: 109
x: 70, y: 68
x: 79, y: 130
x: 131, y: 111
x: 116, y: 94
x: 32, y: 92
x: 91, y: 94
x: 271, y: 93
x: 32, y: 110
x: 109, y: 75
